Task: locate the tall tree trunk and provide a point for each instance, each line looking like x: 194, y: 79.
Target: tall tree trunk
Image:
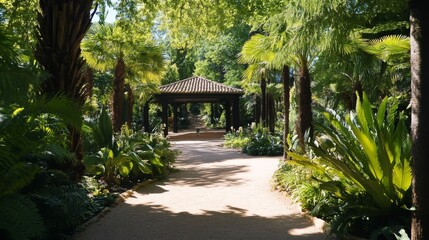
x: 286, y: 99
x: 305, y: 115
x: 257, y: 111
x: 62, y: 26
x: 419, y: 35
x: 89, y: 81
x: 264, y: 102
x: 129, y: 105
x: 271, y: 113
x: 118, y: 95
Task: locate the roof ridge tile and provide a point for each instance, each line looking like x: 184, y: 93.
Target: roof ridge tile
x: 198, y: 84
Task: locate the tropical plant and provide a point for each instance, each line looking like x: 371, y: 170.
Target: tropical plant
x: 236, y: 139
x: 126, y: 155
x: 263, y: 143
x: 366, y: 155
x: 62, y: 204
x: 257, y: 53
x: 110, y: 159
x: 32, y: 142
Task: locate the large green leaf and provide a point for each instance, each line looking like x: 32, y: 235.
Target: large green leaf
x: 371, y: 152
x: 144, y: 167
x: 103, y: 131
x: 125, y: 168
x: 402, y: 178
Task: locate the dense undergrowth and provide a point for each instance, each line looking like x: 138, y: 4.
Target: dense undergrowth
x: 39, y: 197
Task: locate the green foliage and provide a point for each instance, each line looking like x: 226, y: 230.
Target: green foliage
x: 20, y: 218
x: 129, y: 155
x: 105, y: 44
x: 217, y: 58
x: 300, y: 183
x: 62, y: 205
x: 236, y: 139
x: 20, y: 18
x: 33, y: 142
x: 171, y: 74
x: 364, y: 153
x: 262, y: 143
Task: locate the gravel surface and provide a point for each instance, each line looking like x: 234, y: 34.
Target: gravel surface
x: 218, y: 193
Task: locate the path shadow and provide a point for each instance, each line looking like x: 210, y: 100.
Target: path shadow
x: 197, y: 152
x: 207, y: 177
x: 156, y: 222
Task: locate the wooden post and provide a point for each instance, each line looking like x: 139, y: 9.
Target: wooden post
x: 236, y: 113
x: 228, y: 116
x: 212, y: 113
x: 175, y: 118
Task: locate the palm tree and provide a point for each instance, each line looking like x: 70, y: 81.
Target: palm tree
x: 285, y: 75
x: 133, y: 58
x: 62, y: 26
x: 267, y: 50
x: 257, y: 53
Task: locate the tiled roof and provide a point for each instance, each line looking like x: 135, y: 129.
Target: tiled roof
x: 200, y: 85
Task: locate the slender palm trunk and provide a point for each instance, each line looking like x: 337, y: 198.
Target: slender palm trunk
x: 118, y: 95
x: 286, y: 99
x: 271, y: 113
x: 264, y: 102
x: 257, y: 111
x: 130, y: 105
x: 419, y: 22
x: 89, y: 81
x: 305, y: 115
x: 62, y: 26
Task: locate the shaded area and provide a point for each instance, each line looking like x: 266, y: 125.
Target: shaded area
x: 158, y: 222
x: 207, y: 151
x: 209, y: 177
x: 218, y: 193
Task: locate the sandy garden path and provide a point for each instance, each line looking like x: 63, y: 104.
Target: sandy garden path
x: 218, y: 193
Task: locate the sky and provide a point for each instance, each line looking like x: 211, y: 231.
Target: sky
x: 111, y: 14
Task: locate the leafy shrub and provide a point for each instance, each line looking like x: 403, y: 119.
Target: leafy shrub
x: 38, y: 201
x: 365, y: 160
x: 236, y: 139
x: 62, y: 204
x: 299, y: 182
x: 261, y: 143
x: 125, y: 158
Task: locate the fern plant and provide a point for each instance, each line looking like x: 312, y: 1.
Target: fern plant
x: 364, y: 159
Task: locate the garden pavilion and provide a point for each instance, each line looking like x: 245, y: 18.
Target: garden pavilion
x: 195, y: 90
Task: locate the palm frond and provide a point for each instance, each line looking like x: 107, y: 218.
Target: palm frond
x: 67, y: 110
x: 391, y: 49
x: 257, y: 49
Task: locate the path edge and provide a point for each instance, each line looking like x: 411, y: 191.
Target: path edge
x: 121, y: 198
